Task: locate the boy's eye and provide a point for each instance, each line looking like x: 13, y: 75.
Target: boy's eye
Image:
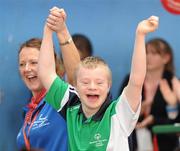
x: 99, y: 83
x: 85, y: 82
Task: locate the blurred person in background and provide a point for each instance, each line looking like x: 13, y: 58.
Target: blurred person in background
x: 158, y: 97
x: 83, y: 44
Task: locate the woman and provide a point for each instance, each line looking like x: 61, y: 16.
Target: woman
x: 157, y: 96
x: 43, y: 127
x: 164, y: 106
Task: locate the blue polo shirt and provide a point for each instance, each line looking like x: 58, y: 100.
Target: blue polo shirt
x: 48, y: 132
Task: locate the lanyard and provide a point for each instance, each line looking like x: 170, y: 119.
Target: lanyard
x: 26, y: 139
x: 32, y: 106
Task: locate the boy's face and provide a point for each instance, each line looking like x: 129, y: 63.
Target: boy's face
x: 93, y: 86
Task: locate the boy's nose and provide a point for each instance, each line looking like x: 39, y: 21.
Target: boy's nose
x: 92, y: 85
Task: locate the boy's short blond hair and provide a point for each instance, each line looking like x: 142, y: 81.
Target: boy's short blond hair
x: 92, y: 62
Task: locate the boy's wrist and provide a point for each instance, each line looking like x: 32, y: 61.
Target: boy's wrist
x: 140, y: 33
x: 47, y: 30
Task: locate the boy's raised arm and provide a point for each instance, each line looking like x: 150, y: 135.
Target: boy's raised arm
x: 70, y: 54
x: 138, y: 65
x: 47, y: 72
x: 46, y: 63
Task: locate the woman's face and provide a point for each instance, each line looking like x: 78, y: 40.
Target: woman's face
x: 28, y: 66
x: 155, y: 60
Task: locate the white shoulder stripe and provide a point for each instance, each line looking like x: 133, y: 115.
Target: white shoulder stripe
x: 73, y: 90
x: 65, y: 99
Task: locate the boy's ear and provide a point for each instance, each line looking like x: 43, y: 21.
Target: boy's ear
x: 109, y: 87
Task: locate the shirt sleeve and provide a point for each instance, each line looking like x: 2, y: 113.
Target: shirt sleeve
x: 126, y: 116
x: 57, y: 96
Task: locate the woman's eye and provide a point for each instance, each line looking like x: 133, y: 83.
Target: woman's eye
x: 34, y: 62
x: 22, y: 64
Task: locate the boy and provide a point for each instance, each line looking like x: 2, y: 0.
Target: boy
x: 94, y: 121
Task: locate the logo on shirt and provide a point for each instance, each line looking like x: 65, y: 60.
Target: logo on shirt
x: 98, y: 141
x: 40, y: 122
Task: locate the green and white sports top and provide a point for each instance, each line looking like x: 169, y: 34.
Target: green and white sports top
x: 107, y: 130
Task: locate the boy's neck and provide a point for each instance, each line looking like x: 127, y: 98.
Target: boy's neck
x: 89, y: 112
